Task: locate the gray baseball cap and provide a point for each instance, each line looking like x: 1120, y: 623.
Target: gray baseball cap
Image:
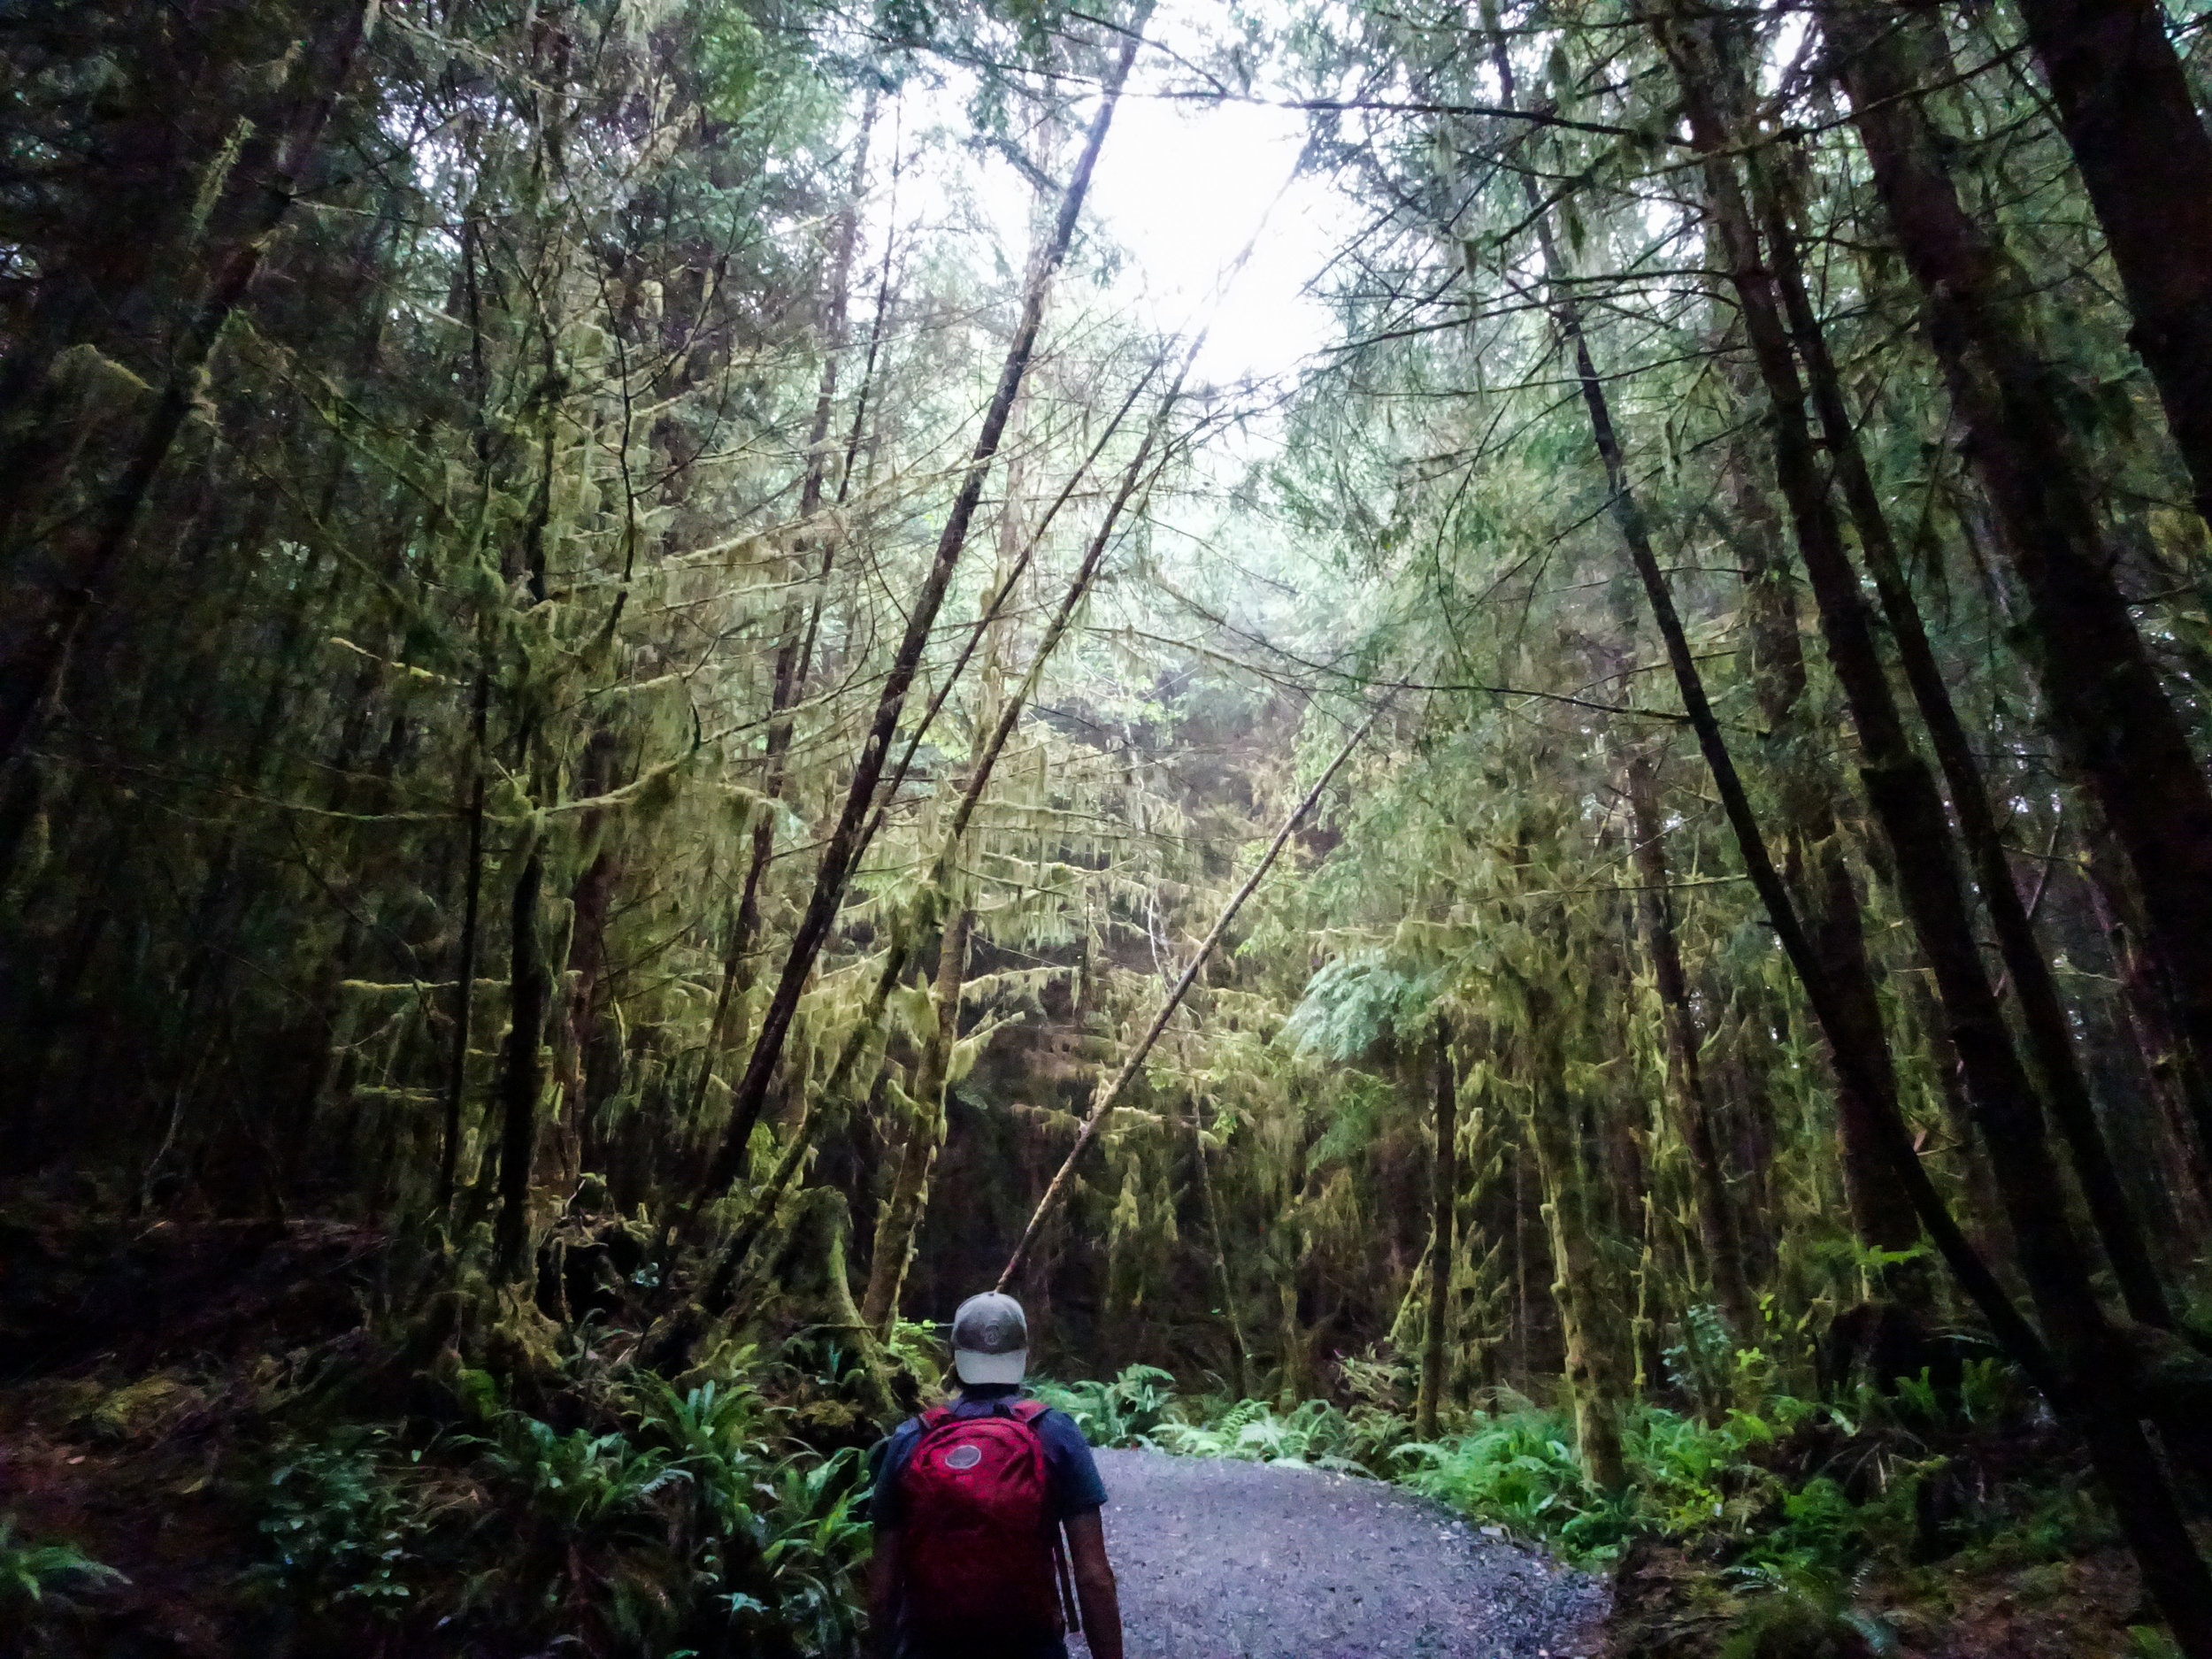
x: 990, y: 1339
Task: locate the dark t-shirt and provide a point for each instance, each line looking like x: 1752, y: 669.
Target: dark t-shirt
x: 1071, y: 1471
x: 1072, y: 1489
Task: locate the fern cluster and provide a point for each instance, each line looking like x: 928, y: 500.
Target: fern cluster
x: 1740, y: 1481
x: 40, y: 1582
x: 695, y: 1520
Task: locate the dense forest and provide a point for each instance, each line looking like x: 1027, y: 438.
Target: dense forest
x: 651, y: 723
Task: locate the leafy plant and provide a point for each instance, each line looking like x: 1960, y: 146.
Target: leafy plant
x: 340, y: 1530
x: 810, y: 1544
x: 1125, y: 1411
x: 1806, y: 1613
x: 46, y: 1573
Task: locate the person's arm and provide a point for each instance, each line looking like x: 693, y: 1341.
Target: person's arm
x: 883, y: 1593
x: 1095, y: 1591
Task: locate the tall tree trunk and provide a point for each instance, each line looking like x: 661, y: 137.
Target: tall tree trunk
x: 901, y: 1219
x: 843, y: 847
x: 1579, y: 1289
x: 1904, y: 799
x: 33, y: 649
x: 2103, y: 700
x: 523, y: 1079
x: 1443, y: 1217
x: 2125, y: 103
x: 2047, y: 1026
x: 1688, y: 1100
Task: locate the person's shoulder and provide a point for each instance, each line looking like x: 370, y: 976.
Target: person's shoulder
x: 905, y: 1435
x: 1056, y: 1424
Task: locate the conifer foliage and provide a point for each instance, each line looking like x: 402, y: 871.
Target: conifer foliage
x: 632, y: 686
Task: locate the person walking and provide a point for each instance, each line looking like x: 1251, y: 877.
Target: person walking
x: 984, y: 1508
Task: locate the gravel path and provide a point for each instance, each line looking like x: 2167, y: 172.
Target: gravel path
x: 1227, y: 1560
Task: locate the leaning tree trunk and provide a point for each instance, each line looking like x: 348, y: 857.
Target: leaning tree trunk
x: 1904, y: 799
x: 2103, y: 700
x: 2125, y: 103
x: 843, y: 847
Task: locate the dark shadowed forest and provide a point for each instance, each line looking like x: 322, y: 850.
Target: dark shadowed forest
x: 1522, y: 809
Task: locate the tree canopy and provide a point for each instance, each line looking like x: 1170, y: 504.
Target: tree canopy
x: 631, y: 660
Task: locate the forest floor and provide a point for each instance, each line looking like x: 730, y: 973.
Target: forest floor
x: 1221, y: 1559
x: 212, y: 1411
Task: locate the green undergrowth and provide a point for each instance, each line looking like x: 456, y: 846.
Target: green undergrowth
x: 672, y: 1520
x: 1793, y: 1498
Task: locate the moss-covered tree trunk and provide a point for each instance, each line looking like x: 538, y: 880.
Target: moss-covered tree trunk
x: 1689, y: 1101
x: 2104, y: 703
x: 523, y: 1079
x: 900, y: 1221
x: 1578, y: 1288
x: 1443, y: 1216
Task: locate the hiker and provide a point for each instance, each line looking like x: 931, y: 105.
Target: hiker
x: 983, y: 1510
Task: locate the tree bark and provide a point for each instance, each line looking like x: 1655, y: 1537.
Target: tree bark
x: 900, y: 1221
x: 2125, y: 105
x: 1443, y: 1217
x: 843, y: 845
x: 1688, y: 1100
x: 2103, y: 700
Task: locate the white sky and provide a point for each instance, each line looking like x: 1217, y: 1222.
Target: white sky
x: 1182, y: 186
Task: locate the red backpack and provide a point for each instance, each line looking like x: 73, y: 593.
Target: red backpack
x: 982, y: 1551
